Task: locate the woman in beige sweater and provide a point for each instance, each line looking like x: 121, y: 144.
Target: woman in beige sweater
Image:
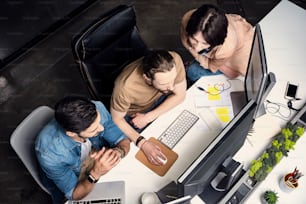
x: 219, y: 42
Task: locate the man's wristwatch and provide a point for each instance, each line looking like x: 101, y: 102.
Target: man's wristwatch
x: 122, y: 152
x: 92, y: 179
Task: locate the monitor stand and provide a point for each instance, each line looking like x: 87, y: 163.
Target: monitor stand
x: 169, y: 193
x: 260, y: 110
x: 230, y: 172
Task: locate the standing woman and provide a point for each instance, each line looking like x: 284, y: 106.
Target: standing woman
x: 219, y: 42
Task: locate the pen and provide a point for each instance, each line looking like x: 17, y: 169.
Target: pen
x: 210, y: 93
x: 201, y: 89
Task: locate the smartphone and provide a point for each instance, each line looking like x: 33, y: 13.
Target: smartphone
x: 291, y: 91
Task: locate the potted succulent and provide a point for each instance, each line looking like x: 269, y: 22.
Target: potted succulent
x: 281, y: 144
x: 270, y: 197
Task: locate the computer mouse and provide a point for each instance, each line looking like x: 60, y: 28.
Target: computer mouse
x: 163, y: 161
x: 150, y: 198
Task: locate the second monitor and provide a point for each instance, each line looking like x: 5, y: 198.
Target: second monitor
x: 257, y: 82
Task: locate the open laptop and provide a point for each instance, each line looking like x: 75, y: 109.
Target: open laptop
x: 106, y: 192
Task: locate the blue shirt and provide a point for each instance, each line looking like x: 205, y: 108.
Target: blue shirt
x: 60, y: 156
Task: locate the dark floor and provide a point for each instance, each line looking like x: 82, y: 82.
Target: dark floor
x: 47, y: 72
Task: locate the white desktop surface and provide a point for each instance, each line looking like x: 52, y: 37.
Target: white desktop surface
x: 283, y: 31
x: 138, y: 178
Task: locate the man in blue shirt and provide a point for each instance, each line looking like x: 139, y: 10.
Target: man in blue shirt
x: 79, y: 126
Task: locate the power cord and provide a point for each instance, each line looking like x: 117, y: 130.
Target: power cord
x: 289, y: 104
x: 283, y: 111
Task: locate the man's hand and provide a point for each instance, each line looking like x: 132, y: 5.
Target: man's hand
x: 105, y: 160
x: 140, y: 120
x: 152, y: 152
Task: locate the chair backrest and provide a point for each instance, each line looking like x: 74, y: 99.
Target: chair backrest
x: 105, y: 47
x: 23, y: 139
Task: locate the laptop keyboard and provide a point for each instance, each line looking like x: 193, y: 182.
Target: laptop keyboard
x: 178, y: 128
x: 103, y: 201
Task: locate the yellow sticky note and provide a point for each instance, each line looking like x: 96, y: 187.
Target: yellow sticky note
x: 214, y: 94
x: 224, y: 118
x: 222, y: 111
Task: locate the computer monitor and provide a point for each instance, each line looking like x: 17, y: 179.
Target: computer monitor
x: 257, y: 82
x: 200, y: 174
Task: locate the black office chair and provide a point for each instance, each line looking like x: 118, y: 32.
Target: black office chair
x: 105, y: 47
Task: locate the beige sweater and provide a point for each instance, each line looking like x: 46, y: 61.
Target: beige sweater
x: 232, y: 56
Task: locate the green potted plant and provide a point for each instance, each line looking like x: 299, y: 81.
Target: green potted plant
x: 281, y: 144
x: 270, y: 197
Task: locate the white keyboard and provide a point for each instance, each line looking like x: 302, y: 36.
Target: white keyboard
x: 178, y: 128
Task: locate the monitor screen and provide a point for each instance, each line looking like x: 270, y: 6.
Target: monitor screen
x: 201, y: 172
x: 256, y: 79
x: 257, y: 82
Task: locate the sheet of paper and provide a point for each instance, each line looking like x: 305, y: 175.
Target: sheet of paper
x: 214, y: 93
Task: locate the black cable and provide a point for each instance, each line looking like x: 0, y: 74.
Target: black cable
x: 289, y: 104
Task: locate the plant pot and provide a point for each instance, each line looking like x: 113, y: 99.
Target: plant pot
x: 287, y: 184
x: 269, y: 197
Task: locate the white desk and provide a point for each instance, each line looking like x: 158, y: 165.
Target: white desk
x: 283, y: 31
x: 138, y: 178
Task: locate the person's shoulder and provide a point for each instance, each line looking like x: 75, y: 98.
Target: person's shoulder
x: 229, y: 45
x: 188, y: 14
x: 235, y: 18
x: 98, y: 104
x: 100, y: 107
x: 49, y: 128
x: 134, y: 64
x: 48, y: 134
x: 128, y: 72
x: 175, y: 54
x: 178, y: 61
x: 186, y: 18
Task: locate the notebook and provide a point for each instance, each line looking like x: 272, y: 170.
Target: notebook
x: 105, y: 192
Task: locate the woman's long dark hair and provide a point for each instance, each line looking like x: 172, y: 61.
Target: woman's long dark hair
x: 211, y: 22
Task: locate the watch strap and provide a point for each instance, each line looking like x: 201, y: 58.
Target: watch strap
x: 92, y: 179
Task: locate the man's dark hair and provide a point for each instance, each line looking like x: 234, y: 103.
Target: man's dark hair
x: 75, y: 113
x: 211, y: 22
x: 157, y: 61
